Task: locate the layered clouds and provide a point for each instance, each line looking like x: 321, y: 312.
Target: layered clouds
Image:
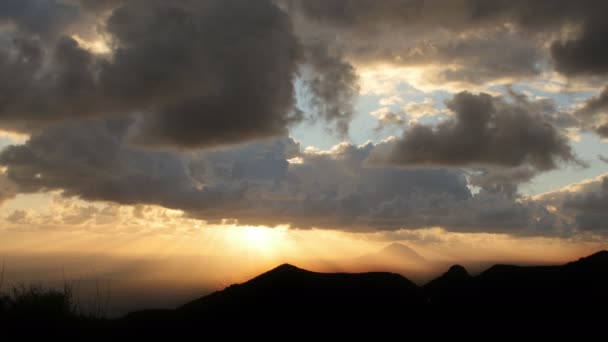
x: 189, y: 104
x: 272, y: 183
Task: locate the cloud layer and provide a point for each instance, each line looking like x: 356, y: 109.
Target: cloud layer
x: 188, y: 105
x: 256, y: 185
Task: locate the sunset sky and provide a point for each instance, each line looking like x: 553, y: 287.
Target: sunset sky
x: 195, y: 141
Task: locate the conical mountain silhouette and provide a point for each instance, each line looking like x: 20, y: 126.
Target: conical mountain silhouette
x: 401, y: 252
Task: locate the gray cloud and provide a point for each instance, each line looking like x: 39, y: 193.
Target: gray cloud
x: 46, y: 18
x: 256, y: 185
x: 99, y: 5
x: 220, y: 72
x: 367, y: 16
x: 88, y: 160
x: 485, y: 131
x: 333, y: 84
x: 338, y: 190
x: 388, y: 118
x: 419, y: 31
x: 590, y: 208
x: 594, y: 113
x: 584, y: 204
x: 222, y: 82
x: 8, y: 189
x: 586, y: 54
x: 503, y: 181
x: 193, y: 78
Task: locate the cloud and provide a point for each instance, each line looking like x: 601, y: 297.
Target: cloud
x: 88, y: 160
x: 486, y: 131
x: 256, y: 184
x: 17, y: 217
x: 226, y: 70
x: 197, y: 73
x: 583, y: 203
x: 387, y: 118
x: 587, y: 53
x: 333, y: 84
x: 126, y: 123
x: 46, y: 18
x: 594, y: 113
x: 421, y: 109
x: 475, y: 41
x: 590, y: 208
x: 8, y: 189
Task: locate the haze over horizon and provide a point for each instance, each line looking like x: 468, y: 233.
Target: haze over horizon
x: 182, y: 146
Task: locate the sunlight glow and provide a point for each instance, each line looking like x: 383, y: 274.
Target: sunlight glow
x: 98, y: 46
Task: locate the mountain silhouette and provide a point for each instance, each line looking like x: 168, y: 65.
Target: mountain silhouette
x: 448, y: 286
x: 289, y: 295
x: 569, y: 300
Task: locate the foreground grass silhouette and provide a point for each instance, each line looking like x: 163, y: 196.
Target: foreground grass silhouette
x: 289, y: 302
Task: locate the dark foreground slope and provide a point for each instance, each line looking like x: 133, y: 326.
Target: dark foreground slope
x: 288, y: 302
x: 570, y: 299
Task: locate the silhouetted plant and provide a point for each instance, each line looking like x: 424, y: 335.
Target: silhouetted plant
x: 37, y: 302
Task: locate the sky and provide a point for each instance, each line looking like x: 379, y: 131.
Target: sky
x: 192, y: 144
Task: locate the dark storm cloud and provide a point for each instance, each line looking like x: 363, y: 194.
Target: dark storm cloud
x: 594, y: 113
x: 198, y: 73
x: 365, y: 23
x: 471, y: 53
x: 226, y: 75
x: 366, y: 15
x: 486, y: 130
x: 31, y: 97
x: 586, y: 54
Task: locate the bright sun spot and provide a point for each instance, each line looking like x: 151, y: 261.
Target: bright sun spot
x: 98, y: 46
x: 257, y: 237
x: 260, y: 240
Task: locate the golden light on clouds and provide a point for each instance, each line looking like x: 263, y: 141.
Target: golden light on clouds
x: 73, y: 226
x: 97, y: 45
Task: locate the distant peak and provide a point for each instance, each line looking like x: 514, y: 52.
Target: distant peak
x: 286, y: 268
x: 397, y: 249
x: 457, y: 270
x: 397, y: 245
